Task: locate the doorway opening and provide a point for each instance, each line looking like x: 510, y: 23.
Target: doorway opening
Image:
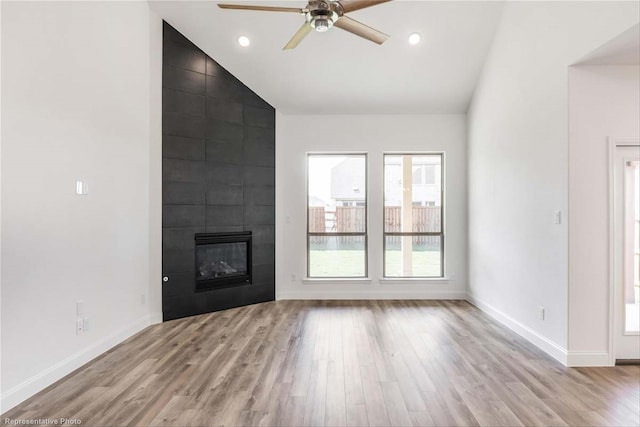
x: 625, y: 252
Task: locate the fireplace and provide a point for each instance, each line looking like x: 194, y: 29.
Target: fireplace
x: 223, y: 259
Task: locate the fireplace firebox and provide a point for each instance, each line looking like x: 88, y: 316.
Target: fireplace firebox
x: 222, y: 259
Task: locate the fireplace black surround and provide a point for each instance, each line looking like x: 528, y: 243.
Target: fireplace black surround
x: 222, y: 259
x: 218, y: 176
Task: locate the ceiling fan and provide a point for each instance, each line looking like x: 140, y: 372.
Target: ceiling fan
x: 322, y: 15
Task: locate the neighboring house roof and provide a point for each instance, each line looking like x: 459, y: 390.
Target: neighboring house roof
x: 347, y: 179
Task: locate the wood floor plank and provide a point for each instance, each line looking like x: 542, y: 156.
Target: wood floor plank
x: 421, y: 419
x: 354, y: 396
x: 373, y: 397
x: 408, y: 385
x: 304, y: 360
x: 315, y: 405
x: 336, y: 363
x: 394, y: 402
x: 357, y: 416
x: 336, y: 413
x: 438, y: 409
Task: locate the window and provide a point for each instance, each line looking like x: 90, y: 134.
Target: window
x: 336, y: 215
x: 413, y: 215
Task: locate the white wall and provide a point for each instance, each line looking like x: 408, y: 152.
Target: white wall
x: 518, y: 162
x: 297, y: 135
x: 0, y: 202
x: 604, y: 102
x: 155, y: 167
x: 75, y: 105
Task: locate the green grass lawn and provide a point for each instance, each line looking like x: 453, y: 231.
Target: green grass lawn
x: 350, y: 263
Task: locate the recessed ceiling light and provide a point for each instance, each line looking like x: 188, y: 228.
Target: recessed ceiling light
x: 414, y: 38
x: 244, y: 41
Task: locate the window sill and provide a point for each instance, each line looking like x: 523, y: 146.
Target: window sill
x: 415, y: 280
x: 311, y: 280
x: 383, y: 281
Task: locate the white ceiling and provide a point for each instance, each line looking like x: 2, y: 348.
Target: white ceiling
x: 622, y: 50
x: 339, y: 73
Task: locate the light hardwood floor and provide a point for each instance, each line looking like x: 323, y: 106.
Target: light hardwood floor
x: 338, y: 363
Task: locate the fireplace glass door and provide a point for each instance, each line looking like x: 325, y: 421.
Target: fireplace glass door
x: 222, y: 259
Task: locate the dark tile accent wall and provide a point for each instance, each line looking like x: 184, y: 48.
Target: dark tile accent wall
x: 218, y: 150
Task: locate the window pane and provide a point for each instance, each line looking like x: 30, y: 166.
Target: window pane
x: 337, y: 194
x: 412, y: 193
x: 337, y: 256
x: 413, y: 256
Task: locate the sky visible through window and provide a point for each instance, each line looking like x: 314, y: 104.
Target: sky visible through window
x: 320, y: 168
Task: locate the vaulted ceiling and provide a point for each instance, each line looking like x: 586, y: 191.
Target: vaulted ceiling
x: 621, y: 50
x: 339, y: 73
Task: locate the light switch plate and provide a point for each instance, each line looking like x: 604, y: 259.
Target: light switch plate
x: 82, y: 188
x: 557, y: 217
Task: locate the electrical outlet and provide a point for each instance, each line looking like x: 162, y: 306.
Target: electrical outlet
x: 541, y: 312
x: 79, y: 326
x: 293, y: 277
x: 143, y: 299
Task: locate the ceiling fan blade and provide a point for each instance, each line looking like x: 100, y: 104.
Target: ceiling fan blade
x: 359, y: 29
x: 351, y: 5
x: 260, y: 8
x: 298, y: 36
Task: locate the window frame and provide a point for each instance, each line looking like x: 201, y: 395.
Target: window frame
x: 441, y: 234
x: 364, y: 234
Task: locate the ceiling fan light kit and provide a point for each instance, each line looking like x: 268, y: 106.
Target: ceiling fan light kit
x: 322, y: 26
x: 321, y: 15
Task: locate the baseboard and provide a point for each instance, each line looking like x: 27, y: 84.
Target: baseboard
x: 40, y: 381
x: 155, y: 318
x: 540, y: 341
x: 370, y: 295
x: 588, y: 358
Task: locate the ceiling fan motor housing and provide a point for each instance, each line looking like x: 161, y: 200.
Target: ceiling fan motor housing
x: 322, y: 14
